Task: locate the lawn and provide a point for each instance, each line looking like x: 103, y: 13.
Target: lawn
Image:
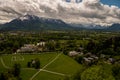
x: 2, y: 69
x: 63, y: 64
x: 44, y: 59
x: 48, y: 76
x: 26, y: 74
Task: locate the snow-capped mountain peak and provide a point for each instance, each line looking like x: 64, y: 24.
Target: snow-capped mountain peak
x: 24, y: 18
x: 32, y: 22
x: 28, y: 17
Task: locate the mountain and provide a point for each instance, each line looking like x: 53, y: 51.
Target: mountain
x: 34, y: 23
x: 83, y: 26
x: 114, y: 27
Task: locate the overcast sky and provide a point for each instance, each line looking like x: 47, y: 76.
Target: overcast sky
x: 104, y: 12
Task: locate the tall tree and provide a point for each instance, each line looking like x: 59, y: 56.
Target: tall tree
x: 16, y: 69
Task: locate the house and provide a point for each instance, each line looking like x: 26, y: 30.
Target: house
x: 90, y: 60
x: 80, y: 49
x: 81, y: 53
x: 41, y: 44
x: 88, y: 54
x: 111, y: 60
x: 86, y: 59
x: 73, y: 53
x: 95, y: 57
x: 27, y: 48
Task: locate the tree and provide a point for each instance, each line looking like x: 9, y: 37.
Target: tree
x: 118, y: 51
x: 16, y: 69
x: 79, y: 59
x: 91, y: 46
x: 37, y: 63
x: 65, y: 52
x: 116, y: 71
x: 50, y: 45
x: 29, y: 64
x: 108, y: 51
x: 7, y: 76
x: 97, y: 73
x: 2, y: 76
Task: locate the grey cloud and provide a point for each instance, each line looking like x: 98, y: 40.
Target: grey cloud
x: 88, y: 11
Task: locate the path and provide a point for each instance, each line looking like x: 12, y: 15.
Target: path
x: 44, y: 67
x: 54, y: 72
x: 4, y: 64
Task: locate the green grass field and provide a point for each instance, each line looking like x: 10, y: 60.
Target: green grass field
x: 64, y: 64
x: 48, y: 76
x: 61, y: 65
x: 44, y: 59
x: 2, y: 69
x: 26, y: 74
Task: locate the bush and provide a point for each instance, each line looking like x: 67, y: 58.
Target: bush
x: 97, y: 73
x: 116, y: 71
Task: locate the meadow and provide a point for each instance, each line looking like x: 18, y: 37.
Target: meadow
x: 54, y: 66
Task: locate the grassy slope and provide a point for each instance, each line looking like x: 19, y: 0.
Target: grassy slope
x: 48, y: 76
x: 65, y: 65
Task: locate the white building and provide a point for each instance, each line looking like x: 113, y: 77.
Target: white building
x: 42, y: 44
x: 73, y: 53
x: 27, y: 48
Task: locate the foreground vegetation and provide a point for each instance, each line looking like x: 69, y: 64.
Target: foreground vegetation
x: 57, y: 66
x: 76, y: 55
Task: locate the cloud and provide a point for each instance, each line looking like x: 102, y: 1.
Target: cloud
x: 85, y: 12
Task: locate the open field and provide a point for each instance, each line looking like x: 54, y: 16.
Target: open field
x: 2, y: 69
x: 54, y: 66
x: 48, y: 76
x: 44, y: 58
x: 65, y: 65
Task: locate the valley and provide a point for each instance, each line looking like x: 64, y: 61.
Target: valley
x: 60, y: 55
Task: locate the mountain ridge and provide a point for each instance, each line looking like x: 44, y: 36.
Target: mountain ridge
x: 35, y: 23
x: 31, y: 22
